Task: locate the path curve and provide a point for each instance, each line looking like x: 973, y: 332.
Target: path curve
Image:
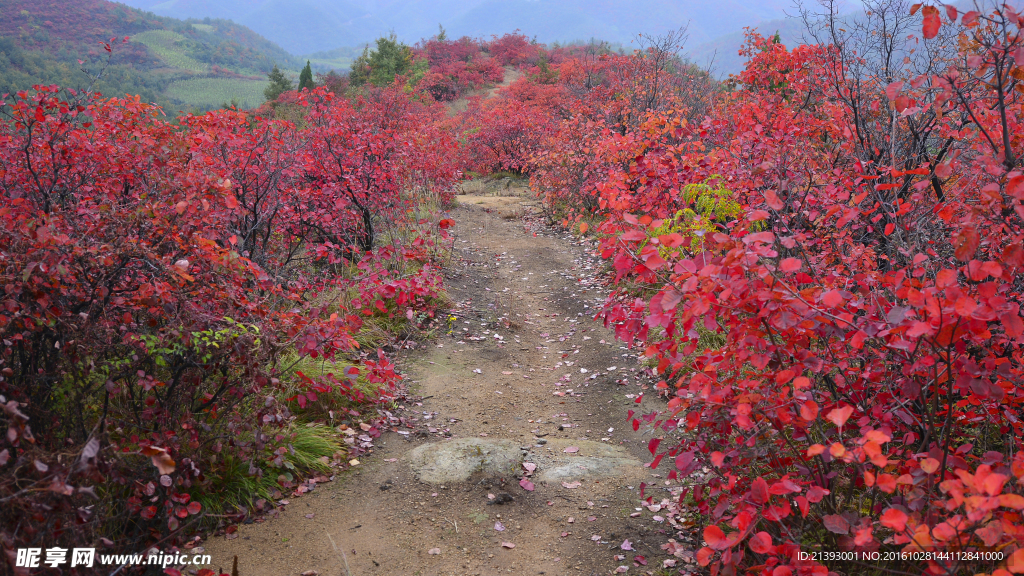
x: 525, y: 376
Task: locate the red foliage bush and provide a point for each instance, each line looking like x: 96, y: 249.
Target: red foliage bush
x: 843, y: 351
x: 154, y: 274
x: 456, y: 66
x: 514, y: 49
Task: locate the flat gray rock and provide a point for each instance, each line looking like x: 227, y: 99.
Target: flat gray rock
x: 457, y: 460
x: 589, y: 460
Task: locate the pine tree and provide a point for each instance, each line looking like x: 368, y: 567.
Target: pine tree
x: 306, y: 78
x: 279, y: 84
x: 379, y: 67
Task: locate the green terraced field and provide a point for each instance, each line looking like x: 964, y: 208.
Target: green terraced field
x: 212, y: 92
x: 171, y: 48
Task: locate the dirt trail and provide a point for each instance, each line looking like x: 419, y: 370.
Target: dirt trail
x: 525, y: 375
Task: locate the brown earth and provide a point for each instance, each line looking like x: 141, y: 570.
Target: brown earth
x: 524, y: 374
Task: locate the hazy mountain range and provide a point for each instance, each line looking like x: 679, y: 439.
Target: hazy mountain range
x: 307, y: 26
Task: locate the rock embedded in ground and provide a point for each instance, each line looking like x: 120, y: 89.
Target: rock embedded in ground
x: 458, y: 460
x: 592, y: 460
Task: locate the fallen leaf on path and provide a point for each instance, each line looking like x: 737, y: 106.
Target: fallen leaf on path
x: 571, y: 485
x: 477, y: 371
x: 527, y: 485
x: 571, y: 520
x: 310, y: 516
x: 505, y: 372
x: 508, y: 545
x: 434, y: 551
x: 530, y: 467
x: 626, y: 545
x: 490, y: 496
x: 595, y: 538
x: 621, y: 570
x: 310, y: 573
x: 571, y: 450
x: 564, y: 534
x: 499, y: 526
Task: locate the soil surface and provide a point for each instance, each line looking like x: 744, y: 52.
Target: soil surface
x: 521, y: 459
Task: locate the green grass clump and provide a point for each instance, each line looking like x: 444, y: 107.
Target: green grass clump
x: 229, y: 486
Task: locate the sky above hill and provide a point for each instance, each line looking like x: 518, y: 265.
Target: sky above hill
x: 306, y: 26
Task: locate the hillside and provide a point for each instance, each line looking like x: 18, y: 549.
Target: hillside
x: 178, y: 64
x: 306, y: 26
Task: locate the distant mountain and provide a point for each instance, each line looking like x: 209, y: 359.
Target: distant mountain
x: 175, y: 63
x: 722, y: 53
x: 307, y: 26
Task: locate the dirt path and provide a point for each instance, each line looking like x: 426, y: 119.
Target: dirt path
x: 526, y: 379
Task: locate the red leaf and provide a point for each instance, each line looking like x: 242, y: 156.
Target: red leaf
x: 766, y: 237
x: 527, y: 485
x: 893, y: 90
x: 895, y: 519
x: 717, y: 458
x: 790, y: 265
x: 886, y: 483
x: 759, y: 490
x: 816, y: 493
x: 809, y: 410
x: 761, y: 543
x: 930, y: 27
x: 839, y: 416
x: 715, y: 538
x: 1013, y: 325
x: 653, y: 445
x: 836, y: 524
x: 832, y: 298
x: 161, y: 459
x: 1015, y: 187
x: 670, y: 299
x: 965, y: 244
